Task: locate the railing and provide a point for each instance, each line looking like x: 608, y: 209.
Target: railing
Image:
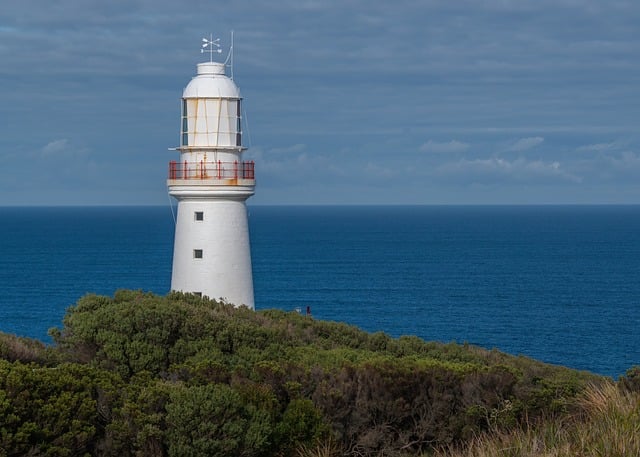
x: 212, y: 170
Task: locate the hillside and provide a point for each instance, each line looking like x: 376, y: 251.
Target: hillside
x: 140, y: 374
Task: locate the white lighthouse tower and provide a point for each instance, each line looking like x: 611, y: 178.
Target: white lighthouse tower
x: 211, y: 253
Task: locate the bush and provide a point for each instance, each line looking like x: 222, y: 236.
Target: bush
x: 631, y: 379
x: 51, y: 411
x: 213, y: 420
x: 184, y: 375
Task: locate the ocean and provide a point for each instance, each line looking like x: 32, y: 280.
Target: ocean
x: 556, y: 283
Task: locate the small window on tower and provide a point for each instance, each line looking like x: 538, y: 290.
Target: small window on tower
x: 199, y: 216
x: 197, y: 253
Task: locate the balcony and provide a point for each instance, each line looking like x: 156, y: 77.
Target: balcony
x: 212, y: 173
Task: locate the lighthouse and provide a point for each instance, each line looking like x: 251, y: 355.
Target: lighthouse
x: 211, y: 183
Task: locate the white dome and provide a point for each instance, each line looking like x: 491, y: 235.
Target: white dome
x: 211, y: 82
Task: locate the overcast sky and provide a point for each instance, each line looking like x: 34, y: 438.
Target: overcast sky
x: 347, y: 101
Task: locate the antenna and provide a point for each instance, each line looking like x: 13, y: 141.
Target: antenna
x: 213, y: 45
x: 229, y: 59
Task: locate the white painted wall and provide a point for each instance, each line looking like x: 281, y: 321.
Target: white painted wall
x: 225, y: 268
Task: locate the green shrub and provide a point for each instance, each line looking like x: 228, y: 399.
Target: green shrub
x: 213, y: 420
x: 631, y: 379
x: 52, y: 411
x: 185, y: 375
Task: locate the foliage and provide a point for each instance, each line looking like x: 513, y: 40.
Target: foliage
x: 51, y: 411
x: 137, y: 374
x: 606, y: 423
x: 213, y: 420
x: 631, y: 379
x: 25, y: 350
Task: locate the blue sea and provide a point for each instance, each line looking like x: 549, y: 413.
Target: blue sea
x: 557, y: 283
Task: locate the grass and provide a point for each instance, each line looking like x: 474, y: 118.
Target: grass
x: 324, y: 449
x: 605, y: 423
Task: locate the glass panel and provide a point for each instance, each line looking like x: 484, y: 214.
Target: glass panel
x: 185, y: 125
x: 238, y: 124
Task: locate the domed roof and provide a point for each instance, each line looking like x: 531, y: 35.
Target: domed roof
x: 211, y: 82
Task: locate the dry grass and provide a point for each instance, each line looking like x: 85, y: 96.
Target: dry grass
x: 327, y: 448
x: 612, y: 425
x: 14, y: 348
x: 607, y: 425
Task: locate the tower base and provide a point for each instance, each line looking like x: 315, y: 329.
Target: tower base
x: 211, y: 254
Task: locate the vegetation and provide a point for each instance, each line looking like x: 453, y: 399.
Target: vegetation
x: 606, y: 423
x: 137, y: 375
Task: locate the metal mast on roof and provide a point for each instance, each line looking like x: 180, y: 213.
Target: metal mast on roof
x: 230, y: 56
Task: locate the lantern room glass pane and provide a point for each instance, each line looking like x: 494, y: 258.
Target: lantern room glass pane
x: 211, y: 122
x: 184, y: 128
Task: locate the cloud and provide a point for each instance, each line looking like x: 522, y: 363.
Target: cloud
x: 501, y: 170
x: 627, y: 163
x: 524, y: 144
x: 287, y: 165
x: 282, y: 163
x: 55, y: 147
x: 378, y: 172
x: 321, y: 77
x: 620, y: 167
x: 293, y: 149
x: 600, y: 147
x: 446, y: 147
x: 62, y: 149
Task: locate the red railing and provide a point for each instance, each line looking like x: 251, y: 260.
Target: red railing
x: 211, y: 170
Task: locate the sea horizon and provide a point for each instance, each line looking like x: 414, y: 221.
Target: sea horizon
x: 554, y: 282
x: 159, y: 205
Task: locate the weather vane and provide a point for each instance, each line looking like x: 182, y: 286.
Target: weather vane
x: 213, y: 45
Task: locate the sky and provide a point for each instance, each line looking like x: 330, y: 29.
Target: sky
x: 346, y: 101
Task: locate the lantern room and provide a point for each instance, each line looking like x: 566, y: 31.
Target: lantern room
x: 211, y: 111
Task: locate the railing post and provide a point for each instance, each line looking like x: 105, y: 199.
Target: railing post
x: 219, y: 170
x: 235, y: 169
x: 185, y: 173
